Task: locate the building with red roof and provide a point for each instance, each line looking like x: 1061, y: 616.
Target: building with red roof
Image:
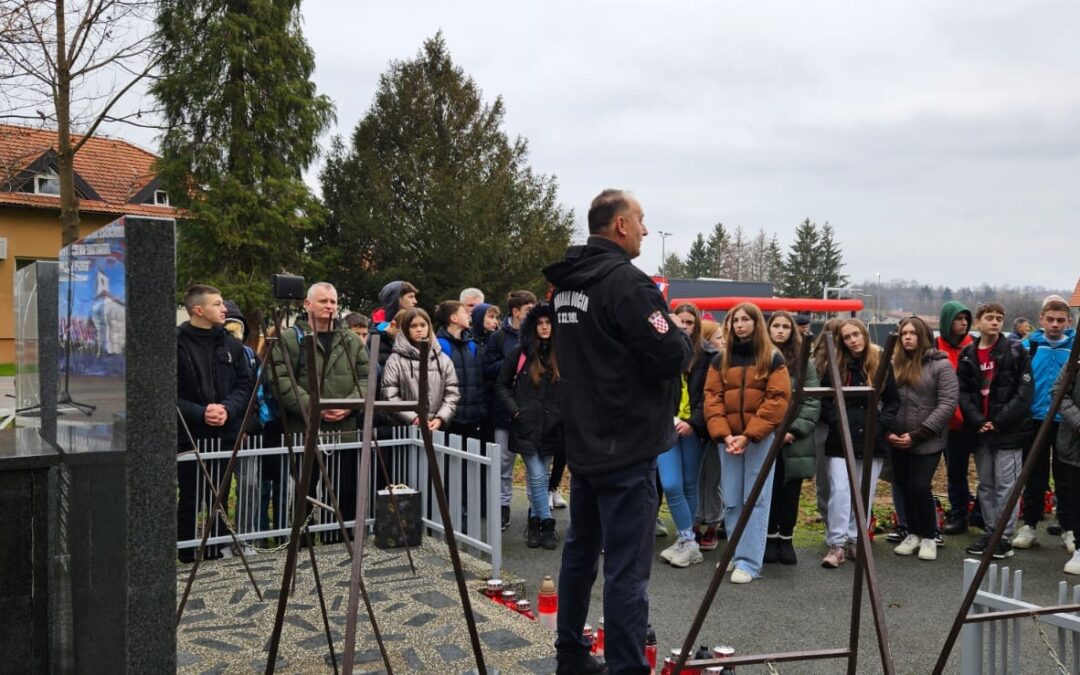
x: 112, y: 178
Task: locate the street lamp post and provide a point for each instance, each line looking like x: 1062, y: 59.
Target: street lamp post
x: 877, y: 298
x: 663, y: 248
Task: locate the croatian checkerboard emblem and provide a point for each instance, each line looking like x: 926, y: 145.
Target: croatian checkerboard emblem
x: 659, y: 322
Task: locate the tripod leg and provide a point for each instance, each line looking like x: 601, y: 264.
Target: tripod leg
x: 322, y: 603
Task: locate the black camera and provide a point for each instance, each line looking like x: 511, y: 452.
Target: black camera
x: 287, y: 287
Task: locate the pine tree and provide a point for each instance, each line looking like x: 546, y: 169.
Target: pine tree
x: 719, y: 246
x: 431, y: 190
x: 775, y: 257
x: 698, y: 259
x: 243, y: 117
x: 831, y: 261
x: 801, y: 266
x: 673, y: 267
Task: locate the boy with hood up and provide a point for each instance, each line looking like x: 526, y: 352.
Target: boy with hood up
x: 955, y: 322
x: 393, y: 297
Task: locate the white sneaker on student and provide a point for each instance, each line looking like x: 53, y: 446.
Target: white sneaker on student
x: 556, y: 499
x: 1025, y: 537
x: 1073, y: 566
x: 909, y: 545
x: 668, y: 553
x: 1068, y: 540
x: 687, y: 554
x: 740, y: 577
x: 928, y: 549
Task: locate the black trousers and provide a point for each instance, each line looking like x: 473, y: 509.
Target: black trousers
x: 1039, y: 482
x: 613, y: 511
x: 784, y: 510
x: 912, y: 475
x: 959, y: 448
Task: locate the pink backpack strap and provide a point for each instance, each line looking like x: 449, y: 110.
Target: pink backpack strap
x: 521, y: 362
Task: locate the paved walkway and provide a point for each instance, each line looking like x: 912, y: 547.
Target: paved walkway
x: 225, y: 629
x: 790, y: 608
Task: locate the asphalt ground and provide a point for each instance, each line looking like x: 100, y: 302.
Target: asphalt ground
x: 805, y: 606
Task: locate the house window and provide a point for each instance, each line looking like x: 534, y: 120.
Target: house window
x: 47, y: 183
x: 161, y: 197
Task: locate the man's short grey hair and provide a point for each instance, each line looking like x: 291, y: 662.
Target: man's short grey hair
x: 316, y: 286
x: 471, y: 293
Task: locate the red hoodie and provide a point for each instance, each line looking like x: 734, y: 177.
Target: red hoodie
x: 957, y: 421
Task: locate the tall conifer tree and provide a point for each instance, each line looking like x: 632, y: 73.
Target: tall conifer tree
x: 243, y: 116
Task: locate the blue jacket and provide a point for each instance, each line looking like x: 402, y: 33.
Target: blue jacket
x: 1046, y: 363
x: 468, y: 362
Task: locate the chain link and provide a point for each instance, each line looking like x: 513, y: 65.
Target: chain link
x: 1050, y: 648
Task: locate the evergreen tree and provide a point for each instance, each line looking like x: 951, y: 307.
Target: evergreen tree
x: 698, y: 259
x: 830, y: 261
x: 673, y: 267
x: 800, y: 279
x: 719, y: 246
x: 243, y: 117
x: 775, y: 258
x: 431, y: 190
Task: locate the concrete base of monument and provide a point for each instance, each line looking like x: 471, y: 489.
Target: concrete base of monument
x: 226, y: 629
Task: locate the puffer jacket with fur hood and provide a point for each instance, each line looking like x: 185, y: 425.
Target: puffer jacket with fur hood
x: 401, y: 380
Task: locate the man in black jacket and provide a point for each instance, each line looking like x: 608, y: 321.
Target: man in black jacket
x: 214, y: 384
x: 620, y: 357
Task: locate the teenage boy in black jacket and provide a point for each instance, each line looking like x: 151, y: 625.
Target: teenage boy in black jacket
x: 214, y: 383
x: 996, y: 388
x: 620, y: 358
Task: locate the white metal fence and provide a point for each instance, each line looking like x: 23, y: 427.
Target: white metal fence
x: 263, y: 490
x: 994, y: 646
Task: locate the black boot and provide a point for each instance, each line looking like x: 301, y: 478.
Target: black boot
x: 787, y: 551
x: 588, y: 666
x: 548, y: 536
x: 772, y: 549
x: 957, y: 524
x: 532, y: 533
x: 505, y: 513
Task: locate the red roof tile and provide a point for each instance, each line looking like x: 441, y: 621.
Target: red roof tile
x: 114, y: 168
x: 1074, y: 301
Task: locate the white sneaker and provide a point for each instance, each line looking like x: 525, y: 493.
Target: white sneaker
x: 910, y: 544
x: 225, y: 552
x: 741, y: 577
x: 661, y: 529
x: 556, y: 500
x: 928, y: 549
x: 249, y: 550
x: 1025, y: 537
x: 1068, y: 540
x: 1073, y: 566
x: 668, y: 553
x: 688, y: 553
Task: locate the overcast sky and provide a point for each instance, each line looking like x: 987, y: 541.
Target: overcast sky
x: 941, y: 140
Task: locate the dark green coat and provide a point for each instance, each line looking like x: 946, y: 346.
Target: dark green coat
x: 339, y: 382
x: 800, y: 457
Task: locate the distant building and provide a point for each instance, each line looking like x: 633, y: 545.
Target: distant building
x: 711, y: 288
x: 112, y: 178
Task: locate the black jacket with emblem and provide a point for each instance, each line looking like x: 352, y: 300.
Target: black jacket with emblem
x: 620, y: 359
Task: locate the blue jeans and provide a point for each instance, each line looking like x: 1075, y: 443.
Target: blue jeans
x: 616, y: 511
x: 536, y: 480
x: 679, y: 469
x: 737, y: 475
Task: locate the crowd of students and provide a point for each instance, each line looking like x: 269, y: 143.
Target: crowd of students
x: 951, y: 397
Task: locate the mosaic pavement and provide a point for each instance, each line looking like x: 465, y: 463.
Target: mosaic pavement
x: 226, y: 629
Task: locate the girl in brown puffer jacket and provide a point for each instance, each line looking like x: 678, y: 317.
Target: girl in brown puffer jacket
x: 928, y: 393
x: 747, y: 391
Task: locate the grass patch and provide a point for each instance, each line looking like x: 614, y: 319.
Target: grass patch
x: 7, y: 370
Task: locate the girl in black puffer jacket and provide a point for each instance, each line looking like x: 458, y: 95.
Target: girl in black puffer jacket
x: 528, y: 389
